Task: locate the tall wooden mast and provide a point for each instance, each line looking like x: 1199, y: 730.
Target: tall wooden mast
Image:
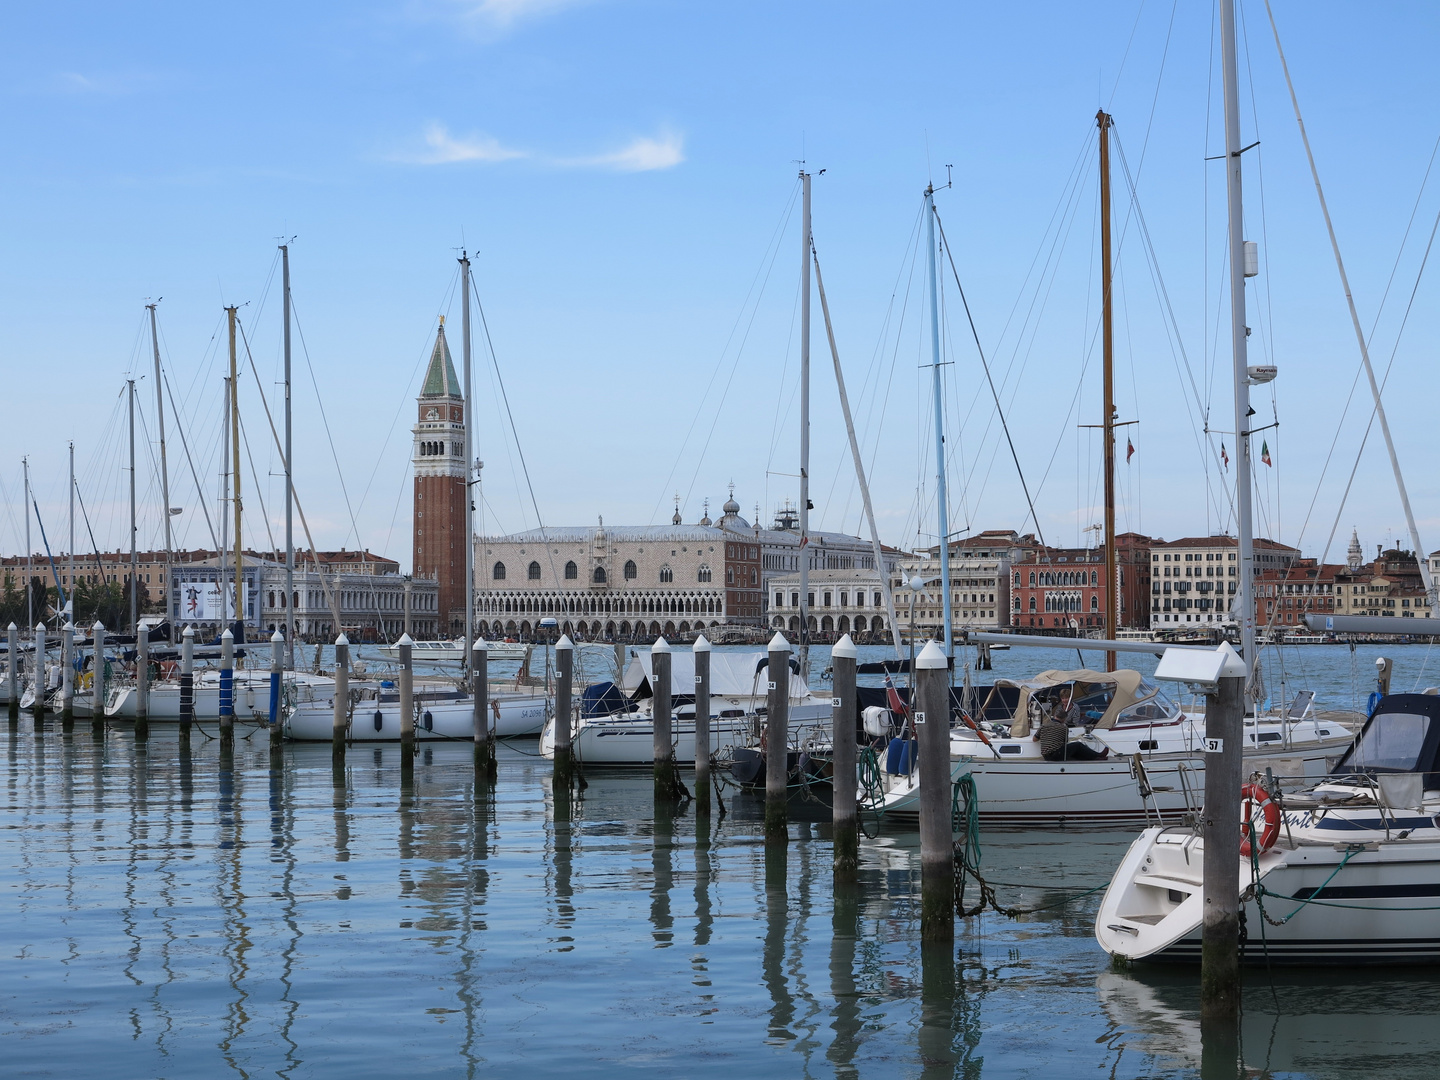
x: 1112, y: 599
x: 235, y: 458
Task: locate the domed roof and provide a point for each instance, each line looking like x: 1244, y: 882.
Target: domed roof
x: 731, y: 506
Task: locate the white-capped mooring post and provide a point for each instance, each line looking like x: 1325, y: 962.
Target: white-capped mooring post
x: 564, y: 675
x: 67, y: 676
x: 777, y: 740
x: 142, y: 683
x: 97, y: 677
x: 187, y: 684
x: 843, y: 741
x: 666, y: 780
x: 227, y: 687
x: 484, y: 731
x: 340, y: 718
x: 701, y: 650
x: 937, y: 852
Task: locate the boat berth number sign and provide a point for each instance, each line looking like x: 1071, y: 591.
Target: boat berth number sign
x: 772, y: 684
x: 919, y: 718
x: 699, y: 679
x: 1214, y: 746
x: 834, y: 703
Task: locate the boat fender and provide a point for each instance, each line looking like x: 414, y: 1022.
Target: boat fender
x: 1256, y: 802
x: 429, y: 721
x: 379, y: 720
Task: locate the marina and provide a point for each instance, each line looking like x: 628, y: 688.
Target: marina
x: 472, y: 631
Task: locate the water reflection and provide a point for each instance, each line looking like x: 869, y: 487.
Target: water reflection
x: 206, y: 913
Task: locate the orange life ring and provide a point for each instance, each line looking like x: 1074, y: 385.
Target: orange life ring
x: 1254, y: 797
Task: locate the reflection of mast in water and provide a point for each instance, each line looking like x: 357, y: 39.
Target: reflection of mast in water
x: 772, y: 954
x: 844, y: 931
x: 704, y: 916
x: 139, y: 807
x: 230, y: 897
x: 165, y: 910
x: 282, y: 838
x: 477, y: 882
x: 808, y: 1022
x: 562, y: 841
x: 662, y: 852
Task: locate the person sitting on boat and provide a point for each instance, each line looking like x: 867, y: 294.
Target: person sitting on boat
x: 1053, y: 735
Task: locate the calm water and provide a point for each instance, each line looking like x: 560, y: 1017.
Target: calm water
x: 166, y: 916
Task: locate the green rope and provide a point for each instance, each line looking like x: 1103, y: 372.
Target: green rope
x: 872, y: 787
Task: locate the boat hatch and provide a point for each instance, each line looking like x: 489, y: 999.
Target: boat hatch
x: 1401, y: 736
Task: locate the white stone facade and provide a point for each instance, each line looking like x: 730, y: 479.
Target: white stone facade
x: 840, y: 602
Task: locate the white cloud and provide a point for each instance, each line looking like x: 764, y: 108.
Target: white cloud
x: 495, y: 15
x: 642, y: 154
x: 442, y: 148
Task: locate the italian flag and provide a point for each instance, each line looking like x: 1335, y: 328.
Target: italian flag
x: 1265, y: 453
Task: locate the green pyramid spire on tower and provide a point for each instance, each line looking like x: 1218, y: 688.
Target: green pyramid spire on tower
x: 440, y: 379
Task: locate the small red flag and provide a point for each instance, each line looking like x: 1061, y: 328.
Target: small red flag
x: 892, y: 698
x: 1224, y: 456
x: 1129, y: 451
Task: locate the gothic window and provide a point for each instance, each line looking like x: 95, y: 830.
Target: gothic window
x: 729, y: 575
x: 1094, y: 578
x: 754, y: 577
x: 666, y: 574
x: 1032, y: 605
x: 571, y: 571
x: 534, y: 571
x: 599, y: 576
x: 1032, y: 580
x: 630, y: 570
x: 499, y: 572
x: 1094, y: 603
x: 704, y: 574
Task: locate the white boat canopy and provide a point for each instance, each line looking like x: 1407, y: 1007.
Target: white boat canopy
x: 1127, y: 690
x: 732, y: 674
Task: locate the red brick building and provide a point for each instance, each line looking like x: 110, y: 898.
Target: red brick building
x: 440, y: 490
x: 1060, y: 588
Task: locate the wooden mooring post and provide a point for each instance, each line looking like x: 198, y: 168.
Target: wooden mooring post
x: 277, y: 675
x: 777, y: 741
x: 227, y: 688
x: 407, y: 706
x: 340, y: 718
x: 1220, y: 930
x: 187, y: 685
x: 485, y: 764
x: 41, y: 648
x: 937, y: 852
x: 844, y: 814
x: 97, y: 678
x: 12, y: 671
x: 564, y: 773
x: 701, y: 649
x: 142, y: 683
x: 67, y: 677
x: 666, y: 781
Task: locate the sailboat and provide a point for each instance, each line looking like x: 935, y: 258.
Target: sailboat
x: 1346, y: 871
x: 1132, y: 754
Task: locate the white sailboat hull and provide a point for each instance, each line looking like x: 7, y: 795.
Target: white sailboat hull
x: 511, y: 715
x: 630, y: 740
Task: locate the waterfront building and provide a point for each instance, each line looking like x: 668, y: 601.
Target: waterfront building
x: 1194, y: 580
x: 850, y: 601
x: 1059, y: 588
x: 1284, y: 597
x: 1389, y: 585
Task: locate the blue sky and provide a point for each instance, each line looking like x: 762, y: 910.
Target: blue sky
x: 624, y: 175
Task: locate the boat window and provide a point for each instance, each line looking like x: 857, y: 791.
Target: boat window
x: 1009, y: 749
x: 1152, y: 706
x: 1391, y: 741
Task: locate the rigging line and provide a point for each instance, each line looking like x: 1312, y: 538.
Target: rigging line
x: 324, y: 419
x: 199, y: 491
x: 980, y: 350
x: 505, y: 397
x: 772, y: 252
x: 48, y: 557
x: 331, y: 600
x: 255, y: 475
x: 1126, y: 55
x: 1424, y: 563
x: 99, y: 564
x: 1171, y: 322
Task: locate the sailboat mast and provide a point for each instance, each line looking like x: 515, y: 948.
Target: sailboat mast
x: 223, y: 553
x: 289, y: 481
x: 938, y: 391
x: 72, y: 525
x: 805, y: 241
x: 164, y: 466
x: 1112, y: 599
x: 134, y: 556
x: 1244, y: 597
x: 469, y: 457
x: 29, y: 560
x: 235, y: 479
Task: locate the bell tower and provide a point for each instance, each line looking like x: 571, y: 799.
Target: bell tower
x: 440, y: 492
